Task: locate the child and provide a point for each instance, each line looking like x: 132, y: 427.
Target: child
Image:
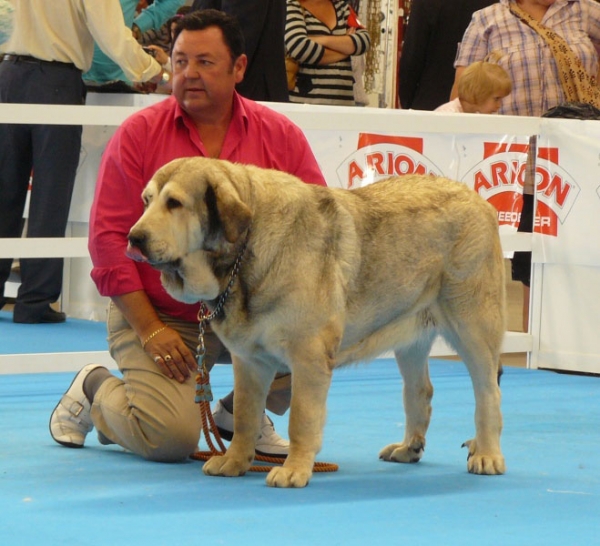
x: 481, y: 89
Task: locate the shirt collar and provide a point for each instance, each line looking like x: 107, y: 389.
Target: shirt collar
x: 239, y: 115
x: 236, y: 132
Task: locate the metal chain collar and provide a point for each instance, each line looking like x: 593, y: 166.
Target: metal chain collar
x: 203, y: 388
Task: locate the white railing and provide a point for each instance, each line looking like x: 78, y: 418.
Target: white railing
x: 309, y: 118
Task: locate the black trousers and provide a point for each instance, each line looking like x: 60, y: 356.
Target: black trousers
x: 50, y: 153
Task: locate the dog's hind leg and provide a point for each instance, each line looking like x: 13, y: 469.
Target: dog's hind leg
x: 417, y: 394
x: 485, y: 455
x: 477, y: 339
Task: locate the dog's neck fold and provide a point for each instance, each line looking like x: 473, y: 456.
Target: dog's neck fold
x: 205, y: 315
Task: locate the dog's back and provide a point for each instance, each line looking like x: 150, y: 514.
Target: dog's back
x: 429, y: 250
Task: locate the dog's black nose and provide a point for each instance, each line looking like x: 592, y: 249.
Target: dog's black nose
x: 137, y: 240
x: 136, y: 249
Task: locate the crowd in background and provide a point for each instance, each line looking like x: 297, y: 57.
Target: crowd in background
x: 325, y: 37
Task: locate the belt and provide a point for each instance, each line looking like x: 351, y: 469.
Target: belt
x: 28, y: 59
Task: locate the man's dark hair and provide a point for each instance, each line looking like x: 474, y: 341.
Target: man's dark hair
x: 205, y: 18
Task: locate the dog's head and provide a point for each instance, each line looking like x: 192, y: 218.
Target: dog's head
x: 193, y: 213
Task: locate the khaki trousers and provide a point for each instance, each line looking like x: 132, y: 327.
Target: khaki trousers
x: 145, y: 411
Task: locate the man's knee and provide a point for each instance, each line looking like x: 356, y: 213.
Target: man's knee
x: 173, y: 445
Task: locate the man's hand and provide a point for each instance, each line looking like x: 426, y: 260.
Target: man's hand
x: 171, y: 354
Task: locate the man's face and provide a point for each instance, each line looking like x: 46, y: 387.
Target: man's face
x: 204, y: 76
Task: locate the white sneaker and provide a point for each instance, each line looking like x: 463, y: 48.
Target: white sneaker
x: 70, y: 421
x: 268, y: 443
x: 223, y: 420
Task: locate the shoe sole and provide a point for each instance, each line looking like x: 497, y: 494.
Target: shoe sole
x: 57, y: 320
x: 225, y: 434
x: 277, y: 455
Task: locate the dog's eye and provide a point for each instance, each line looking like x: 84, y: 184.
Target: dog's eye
x: 173, y: 204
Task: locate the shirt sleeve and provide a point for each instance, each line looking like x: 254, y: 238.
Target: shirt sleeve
x: 362, y: 41
x: 592, y: 21
x: 117, y: 206
x: 361, y: 37
x: 107, y: 26
x: 297, y: 42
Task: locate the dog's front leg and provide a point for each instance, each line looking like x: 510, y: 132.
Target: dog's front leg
x: 310, y: 385
x: 251, y: 385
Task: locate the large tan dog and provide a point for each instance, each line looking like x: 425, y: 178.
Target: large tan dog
x: 329, y: 277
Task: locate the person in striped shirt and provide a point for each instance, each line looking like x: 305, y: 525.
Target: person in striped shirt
x: 318, y: 36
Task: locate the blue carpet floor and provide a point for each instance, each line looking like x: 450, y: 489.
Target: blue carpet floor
x: 73, y: 335
x: 98, y: 495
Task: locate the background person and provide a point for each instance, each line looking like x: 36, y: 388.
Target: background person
x: 318, y: 36
x: 105, y: 74
x: 525, y: 53
x: 161, y: 50
x: 426, y: 68
x: 160, y: 40
x: 151, y: 410
x: 263, y: 24
x: 52, y: 43
x: 481, y: 88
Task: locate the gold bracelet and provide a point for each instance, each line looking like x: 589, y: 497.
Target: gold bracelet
x: 153, y: 334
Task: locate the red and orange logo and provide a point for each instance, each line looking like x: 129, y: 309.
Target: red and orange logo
x: 381, y: 156
x: 500, y: 178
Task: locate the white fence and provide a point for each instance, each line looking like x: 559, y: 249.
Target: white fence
x: 342, y: 138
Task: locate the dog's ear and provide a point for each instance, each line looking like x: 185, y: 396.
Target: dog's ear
x: 228, y: 215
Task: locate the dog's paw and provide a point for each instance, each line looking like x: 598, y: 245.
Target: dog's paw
x: 222, y: 465
x: 403, y: 453
x: 281, y: 476
x: 484, y: 463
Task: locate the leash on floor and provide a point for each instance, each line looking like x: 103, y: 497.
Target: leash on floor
x: 209, y: 430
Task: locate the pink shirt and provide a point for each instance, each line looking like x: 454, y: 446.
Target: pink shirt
x: 148, y: 140
x: 454, y: 106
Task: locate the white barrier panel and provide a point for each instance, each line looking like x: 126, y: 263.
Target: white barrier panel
x: 565, y: 304
x: 353, y: 146
x: 71, y: 247
x: 312, y: 117
x: 568, y: 193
